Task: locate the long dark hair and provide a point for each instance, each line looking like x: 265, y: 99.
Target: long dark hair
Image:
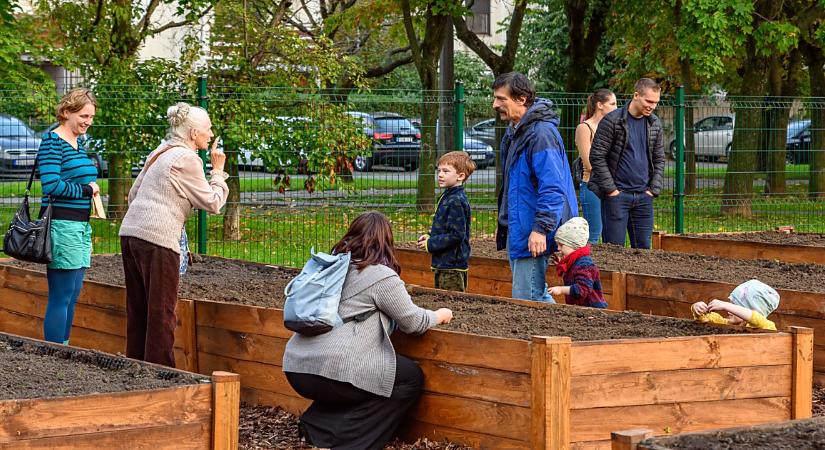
x: 369, y: 241
x: 600, y: 96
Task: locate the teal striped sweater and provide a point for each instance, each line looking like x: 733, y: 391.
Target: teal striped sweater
x: 65, y: 174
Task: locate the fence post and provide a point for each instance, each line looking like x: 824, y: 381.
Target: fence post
x: 679, y: 182
x: 203, y: 103
x: 226, y: 394
x: 803, y: 366
x: 458, y: 119
x: 629, y: 439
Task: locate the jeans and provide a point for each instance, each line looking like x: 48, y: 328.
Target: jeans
x: 628, y: 213
x: 591, y: 211
x: 530, y: 279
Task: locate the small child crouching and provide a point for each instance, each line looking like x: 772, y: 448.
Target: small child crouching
x: 750, y: 304
x: 583, y: 285
x: 449, y: 237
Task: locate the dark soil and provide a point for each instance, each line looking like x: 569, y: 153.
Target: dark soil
x: 802, y: 434
x: 30, y: 369
x: 771, y: 237
x: 780, y: 275
x: 265, y: 427
x: 210, y: 278
x: 491, y: 317
x: 818, y: 400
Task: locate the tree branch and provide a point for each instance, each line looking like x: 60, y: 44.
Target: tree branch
x: 379, y: 71
x: 508, y: 55
x: 475, y: 43
x: 143, y: 24
x: 415, y: 48
x: 170, y: 25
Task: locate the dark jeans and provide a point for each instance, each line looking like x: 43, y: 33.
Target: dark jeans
x: 451, y: 280
x: 345, y: 417
x: 629, y: 213
x: 152, y: 275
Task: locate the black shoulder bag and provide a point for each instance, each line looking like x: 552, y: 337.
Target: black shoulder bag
x: 30, y: 240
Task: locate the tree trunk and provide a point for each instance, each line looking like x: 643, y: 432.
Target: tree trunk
x: 120, y: 181
x: 776, y: 117
x: 738, y: 189
x: 815, y: 60
x: 232, y: 213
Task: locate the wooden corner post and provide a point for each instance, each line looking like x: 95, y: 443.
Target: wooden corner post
x: 550, y: 396
x: 226, y: 398
x: 629, y: 439
x: 618, y: 299
x: 803, y: 367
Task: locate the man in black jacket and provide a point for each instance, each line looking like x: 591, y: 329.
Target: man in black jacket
x: 628, y: 160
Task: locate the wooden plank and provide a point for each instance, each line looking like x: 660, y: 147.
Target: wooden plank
x: 245, y: 346
x: 597, y: 423
x: 36, y: 418
x: 618, y: 299
x: 186, y: 334
x: 96, y: 340
x: 253, y: 374
x: 462, y: 348
x: 652, y: 388
x: 21, y: 324
x: 474, y: 415
x: 629, y: 439
x: 478, y: 383
x: 418, y: 277
x: 294, y: 405
x: 415, y: 429
x: 803, y: 360
x: 188, y: 436
x: 226, y: 393
x: 25, y: 280
x: 538, y: 392
x: 558, y: 393
x: 241, y: 318
x: 726, y: 248
x: 693, y: 352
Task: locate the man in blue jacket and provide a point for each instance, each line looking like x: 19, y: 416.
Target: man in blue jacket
x: 537, y: 193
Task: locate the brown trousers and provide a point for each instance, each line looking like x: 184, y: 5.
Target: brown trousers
x: 151, y: 295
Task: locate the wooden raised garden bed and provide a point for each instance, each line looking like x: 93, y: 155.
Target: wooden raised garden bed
x: 792, y: 434
x: 113, y: 402
x: 542, y: 392
x: 763, y: 245
x: 650, y: 294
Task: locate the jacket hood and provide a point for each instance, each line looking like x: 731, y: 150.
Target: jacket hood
x: 540, y: 111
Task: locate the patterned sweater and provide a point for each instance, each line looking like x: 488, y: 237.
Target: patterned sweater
x: 580, y: 273
x: 449, y: 238
x: 65, y: 174
x: 361, y: 353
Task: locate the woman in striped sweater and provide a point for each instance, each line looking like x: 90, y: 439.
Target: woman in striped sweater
x: 68, y: 177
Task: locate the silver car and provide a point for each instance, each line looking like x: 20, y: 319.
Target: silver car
x: 18, y: 146
x: 712, y: 137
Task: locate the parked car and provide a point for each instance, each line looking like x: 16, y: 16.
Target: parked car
x: 18, y: 146
x: 484, y: 131
x: 712, y: 137
x: 481, y: 153
x: 396, y: 142
x: 798, y: 144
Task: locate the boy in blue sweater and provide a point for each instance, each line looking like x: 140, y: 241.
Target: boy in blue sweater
x: 449, y: 238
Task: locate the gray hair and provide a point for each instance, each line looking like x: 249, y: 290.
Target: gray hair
x: 183, y: 118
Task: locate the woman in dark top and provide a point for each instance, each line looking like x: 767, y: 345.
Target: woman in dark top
x: 68, y: 177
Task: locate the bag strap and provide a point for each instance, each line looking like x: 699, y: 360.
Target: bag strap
x: 31, y: 177
x: 155, y: 158
x: 592, y: 134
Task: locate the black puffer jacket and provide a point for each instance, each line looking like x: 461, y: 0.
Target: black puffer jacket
x: 610, y: 142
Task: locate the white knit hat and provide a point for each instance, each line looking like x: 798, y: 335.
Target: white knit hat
x: 574, y: 233
x: 756, y: 296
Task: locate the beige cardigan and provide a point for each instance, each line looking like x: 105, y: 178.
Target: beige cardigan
x: 163, y: 196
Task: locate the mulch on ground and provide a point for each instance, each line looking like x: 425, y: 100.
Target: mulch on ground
x: 267, y: 427
x: 770, y: 237
x: 802, y: 434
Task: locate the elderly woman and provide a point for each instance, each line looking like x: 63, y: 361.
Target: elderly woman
x: 171, y: 183
x: 68, y: 176
x: 361, y: 389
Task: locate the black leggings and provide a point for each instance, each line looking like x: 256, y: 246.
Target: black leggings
x: 343, y: 416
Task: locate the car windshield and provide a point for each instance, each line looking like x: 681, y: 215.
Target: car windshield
x: 392, y: 123
x: 14, y: 128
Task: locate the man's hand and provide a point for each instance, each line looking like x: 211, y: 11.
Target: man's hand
x: 536, y: 243
x: 614, y: 193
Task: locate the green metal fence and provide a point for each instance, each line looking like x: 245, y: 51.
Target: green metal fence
x: 277, y: 138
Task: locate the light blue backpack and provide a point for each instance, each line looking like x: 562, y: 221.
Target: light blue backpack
x: 313, y: 296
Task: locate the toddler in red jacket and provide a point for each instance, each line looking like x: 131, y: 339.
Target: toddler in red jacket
x: 582, y: 285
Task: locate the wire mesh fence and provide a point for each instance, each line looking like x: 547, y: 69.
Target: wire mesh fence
x: 305, y: 162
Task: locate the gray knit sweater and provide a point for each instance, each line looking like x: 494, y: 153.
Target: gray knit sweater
x: 360, y: 353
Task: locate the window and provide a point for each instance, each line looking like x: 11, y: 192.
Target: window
x: 479, y: 22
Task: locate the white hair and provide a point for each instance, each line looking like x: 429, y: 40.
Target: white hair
x: 183, y: 118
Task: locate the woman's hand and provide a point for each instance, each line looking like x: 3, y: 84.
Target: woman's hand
x: 217, y: 156
x: 443, y: 315
x: 95, y: 188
